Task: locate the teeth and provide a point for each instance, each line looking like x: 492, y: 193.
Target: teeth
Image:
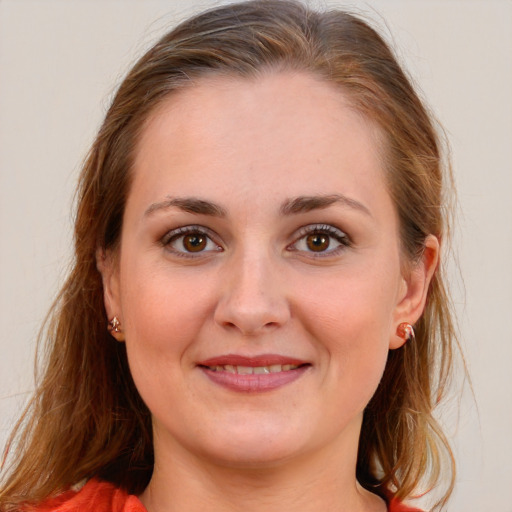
x: 262, y: 369
x: 258, y: 370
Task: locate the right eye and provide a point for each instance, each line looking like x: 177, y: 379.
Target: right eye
x: 188, y: 241
x: 320, y: 241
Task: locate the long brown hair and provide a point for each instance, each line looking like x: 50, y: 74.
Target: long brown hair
x: 86, y: 418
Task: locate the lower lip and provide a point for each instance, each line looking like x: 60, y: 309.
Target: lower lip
x: 255, y: 383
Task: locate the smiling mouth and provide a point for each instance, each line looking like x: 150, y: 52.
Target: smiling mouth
x: 253, y: 374
x: 253, y: 370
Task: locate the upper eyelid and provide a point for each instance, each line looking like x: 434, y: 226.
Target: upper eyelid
x: 184, y: 230
x: 312, y: 228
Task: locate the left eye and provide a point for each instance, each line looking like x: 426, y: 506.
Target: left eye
x: 189, y: 241
x: 322, y: 239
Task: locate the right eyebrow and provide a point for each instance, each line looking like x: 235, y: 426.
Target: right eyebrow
x: 303, y: 204
x: 188, y: 204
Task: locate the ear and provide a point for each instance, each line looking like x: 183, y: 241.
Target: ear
x: 414, y: 289
x: 107, y: 265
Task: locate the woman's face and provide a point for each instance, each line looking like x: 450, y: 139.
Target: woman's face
x: 259, y: 280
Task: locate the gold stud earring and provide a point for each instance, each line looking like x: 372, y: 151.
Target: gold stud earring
x: 405, y: 331
x: 114, y: 325
x: 114, y: 328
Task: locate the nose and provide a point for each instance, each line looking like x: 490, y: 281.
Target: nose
x: 253, y: 297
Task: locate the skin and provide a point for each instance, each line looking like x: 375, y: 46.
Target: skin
x: 258, y: 286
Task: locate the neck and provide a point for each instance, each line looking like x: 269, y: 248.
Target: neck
x: 324, y: 480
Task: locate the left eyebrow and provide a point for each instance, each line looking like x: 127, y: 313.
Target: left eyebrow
x: 188, y: 204
x: 303, y: 204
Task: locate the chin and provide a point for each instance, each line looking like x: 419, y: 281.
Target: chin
x: 253, y: 459
x: 263, y: 447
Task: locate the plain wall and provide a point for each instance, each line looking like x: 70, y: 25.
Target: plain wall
x: 60, y: 60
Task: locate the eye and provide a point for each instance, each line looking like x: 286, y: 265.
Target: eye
x: 190, y: 240
x: 320, y: 240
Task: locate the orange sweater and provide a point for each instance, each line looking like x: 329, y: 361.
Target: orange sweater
x: 97, y: 496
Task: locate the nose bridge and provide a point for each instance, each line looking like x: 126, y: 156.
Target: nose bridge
x: 253, y: 296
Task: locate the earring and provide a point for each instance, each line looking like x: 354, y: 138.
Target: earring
x: 114, y: 326
x: 405, y: 331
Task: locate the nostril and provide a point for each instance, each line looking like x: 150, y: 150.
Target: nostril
x: 249, y: 308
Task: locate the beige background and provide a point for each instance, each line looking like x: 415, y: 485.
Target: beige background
x: 59, y: 63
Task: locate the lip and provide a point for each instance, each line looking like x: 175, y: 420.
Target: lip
x: 253, y: 361
x: 253, y: 383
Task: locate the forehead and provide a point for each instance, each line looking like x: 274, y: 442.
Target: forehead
x: 297, y: 96
x: 292, y: 130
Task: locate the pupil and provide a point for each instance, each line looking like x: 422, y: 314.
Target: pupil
x: 318, y: 242
x: 194, y: 243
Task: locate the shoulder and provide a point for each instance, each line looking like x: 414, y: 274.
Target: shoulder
x: 94, y: 495
x: 398, y: 506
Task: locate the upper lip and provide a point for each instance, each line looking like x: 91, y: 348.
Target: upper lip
x: 251, y: 361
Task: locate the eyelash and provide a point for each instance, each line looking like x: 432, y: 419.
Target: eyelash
x: 175, y: 234
x: 321, y: 229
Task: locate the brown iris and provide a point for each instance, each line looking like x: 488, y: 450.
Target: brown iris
x: 194, y: 242
x: 317, y: 242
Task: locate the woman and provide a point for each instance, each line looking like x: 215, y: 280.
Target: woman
x: 257, y: 233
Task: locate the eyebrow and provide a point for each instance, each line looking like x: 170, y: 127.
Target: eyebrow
x: 296, y: 205
x: 188, y: 204
x: 303, y: 204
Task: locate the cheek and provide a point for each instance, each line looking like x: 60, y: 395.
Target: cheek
x: 351, y: 319
x: 164, y: 315
x: 355, y: 305
x: 163, y: 312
